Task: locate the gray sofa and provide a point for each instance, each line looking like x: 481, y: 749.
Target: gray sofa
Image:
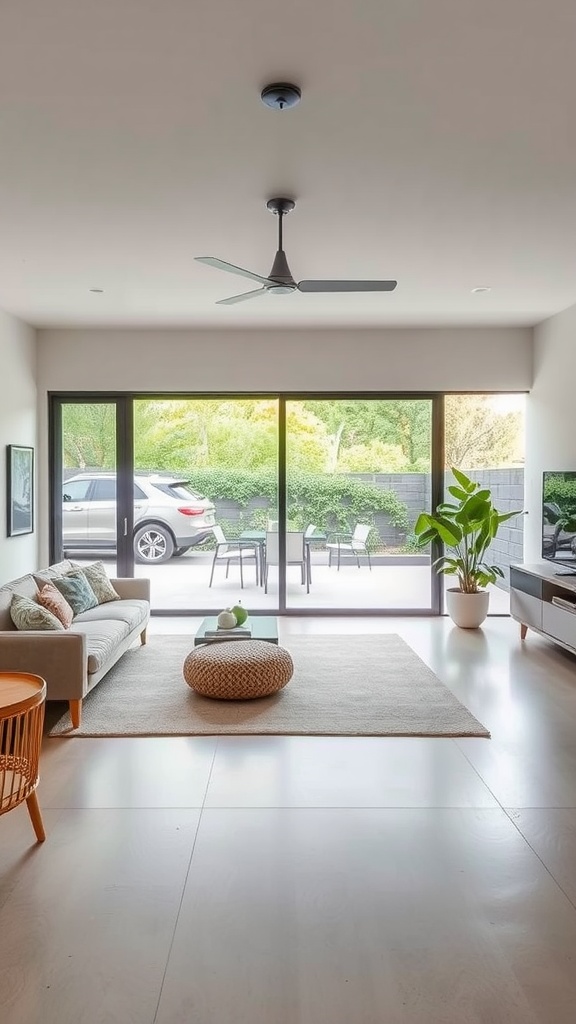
x: 74, y: 660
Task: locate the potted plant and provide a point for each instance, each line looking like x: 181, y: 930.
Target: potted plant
x: 467, y: 527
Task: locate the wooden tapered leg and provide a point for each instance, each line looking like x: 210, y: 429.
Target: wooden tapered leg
x: 36, y: 817
x: 523, y: 631
x: 75, y: 708
x: 143, y: 637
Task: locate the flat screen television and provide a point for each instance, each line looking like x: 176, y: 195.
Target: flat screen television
x: 559, y: 518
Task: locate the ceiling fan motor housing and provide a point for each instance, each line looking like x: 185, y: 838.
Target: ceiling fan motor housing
x: 281, y: 272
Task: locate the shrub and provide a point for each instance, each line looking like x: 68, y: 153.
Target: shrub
x: 331, y: 502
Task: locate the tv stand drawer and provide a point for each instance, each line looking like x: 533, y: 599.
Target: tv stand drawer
x: 559, y: 624
x: 526, y: 582
x: 526, y: 609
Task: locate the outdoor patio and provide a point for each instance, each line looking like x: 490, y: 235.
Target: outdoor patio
x: 182, y: 585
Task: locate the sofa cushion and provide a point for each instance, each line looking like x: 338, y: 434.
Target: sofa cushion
x: 51, y: 598
x: 28, y: 614
x: 25, y: 586
x: 99, y: 581
x: 132, y: 612
x: 76, y: 590
x: 58, y: 569
x: 102, y: 639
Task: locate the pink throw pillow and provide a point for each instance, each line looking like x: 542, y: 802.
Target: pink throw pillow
x: 51, y: 598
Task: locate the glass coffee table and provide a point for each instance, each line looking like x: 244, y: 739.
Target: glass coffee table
x: 263, y: 627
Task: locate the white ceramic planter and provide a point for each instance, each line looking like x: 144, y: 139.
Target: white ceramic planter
x: 467, y: 610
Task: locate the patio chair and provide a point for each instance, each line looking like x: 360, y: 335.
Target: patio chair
x: 232, y: 550
x: 295, y: 555
x: 308, y: 538
x: 355, y: 543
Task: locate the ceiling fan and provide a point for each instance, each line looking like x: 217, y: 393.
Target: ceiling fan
x: 280, y: 280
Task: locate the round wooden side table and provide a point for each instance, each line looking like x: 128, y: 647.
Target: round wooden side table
x: 22, y: 698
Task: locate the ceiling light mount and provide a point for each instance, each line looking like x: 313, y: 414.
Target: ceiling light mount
x: 281, y: 95
x: 279, y: 206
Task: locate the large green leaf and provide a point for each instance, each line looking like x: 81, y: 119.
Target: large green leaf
x: 425, y: 538
x: 503, y: 517
x: 476, y: 508
x: 422, y: 523
x: 448, y: 531
x: 457, y: 492
x: 464, y: 481
x: 447, y: 564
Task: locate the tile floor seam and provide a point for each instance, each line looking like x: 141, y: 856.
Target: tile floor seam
x: 520, y: 833
x: 185, y: 883
x: 537, y: 855
x: 477, y: 772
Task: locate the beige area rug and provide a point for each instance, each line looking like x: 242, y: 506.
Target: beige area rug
x: 342, y: 686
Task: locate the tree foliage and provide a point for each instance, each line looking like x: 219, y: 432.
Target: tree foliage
x: 478, y: 435
x: 327, y: 436
x: 402, y: 425
x: 89, y: 435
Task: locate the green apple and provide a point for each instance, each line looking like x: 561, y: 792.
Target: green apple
x: 240, y: 613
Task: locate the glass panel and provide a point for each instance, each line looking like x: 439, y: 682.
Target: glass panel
x: 484, y: 437
x: 209, y: 468
x: 89, y: 482
x: 359, y: 473
x: 75, y: 490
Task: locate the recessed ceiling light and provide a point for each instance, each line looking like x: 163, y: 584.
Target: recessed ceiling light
x: 481, y: 288
x: 97, y: 291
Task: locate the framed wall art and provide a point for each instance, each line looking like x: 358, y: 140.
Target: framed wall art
x: 20, y: 489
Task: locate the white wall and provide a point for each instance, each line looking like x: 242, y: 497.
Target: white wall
x: 550, y: 432
x: 481, y: 359
x: 18, y: 425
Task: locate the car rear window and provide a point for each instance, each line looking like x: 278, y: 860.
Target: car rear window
x: 177, y: 490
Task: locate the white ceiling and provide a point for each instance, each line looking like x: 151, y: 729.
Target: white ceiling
x: 435, y: 143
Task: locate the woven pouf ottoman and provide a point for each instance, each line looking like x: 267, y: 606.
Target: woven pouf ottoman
x: 238, y: 669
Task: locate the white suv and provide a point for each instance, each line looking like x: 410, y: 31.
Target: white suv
x: 169, y: 518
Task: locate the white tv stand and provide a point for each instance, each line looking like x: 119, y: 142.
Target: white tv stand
x: 532, y: 588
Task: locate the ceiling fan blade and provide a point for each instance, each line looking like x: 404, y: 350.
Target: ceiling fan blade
x: 241, y: 298
x: 347, y: 286
x: 211, y: 261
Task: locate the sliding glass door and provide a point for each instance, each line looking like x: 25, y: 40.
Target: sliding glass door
x: 484, y: 438
x: 210, y: 469
x: 92, y: 503
x: 359, y: 472
x: 283, y: 503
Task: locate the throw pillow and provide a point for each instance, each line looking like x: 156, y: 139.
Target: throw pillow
x: 51, y: 598
x: 77, y: 591
x: 28, y: 614
x: 98, y: 579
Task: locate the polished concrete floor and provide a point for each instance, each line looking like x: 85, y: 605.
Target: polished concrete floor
x: 296, y: 880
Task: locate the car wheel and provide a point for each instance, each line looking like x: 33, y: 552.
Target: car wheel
x: 153, y: 544
x: 180, y: 551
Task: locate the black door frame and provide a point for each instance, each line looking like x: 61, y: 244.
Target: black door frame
x: 124, y: 471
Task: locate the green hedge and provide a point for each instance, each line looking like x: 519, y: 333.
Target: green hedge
x: 562, y: 491
x: 331, y: 502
